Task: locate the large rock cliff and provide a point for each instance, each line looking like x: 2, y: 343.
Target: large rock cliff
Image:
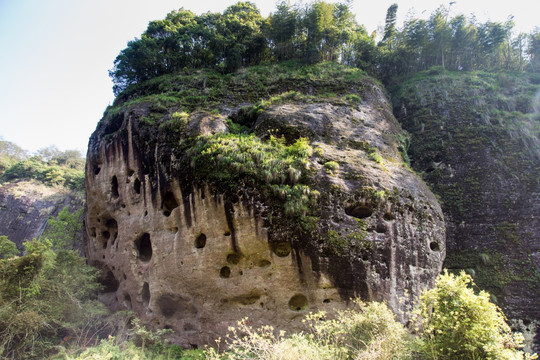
x: 475, y: 140
x: 27, y: 205
x: 206, y: 203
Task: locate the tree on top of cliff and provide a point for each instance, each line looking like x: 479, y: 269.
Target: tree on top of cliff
x: 320, y: 31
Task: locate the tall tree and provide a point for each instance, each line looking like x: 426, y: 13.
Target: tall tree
x: 533, y: 51
x: 283, y: 27
x: 390, y: 23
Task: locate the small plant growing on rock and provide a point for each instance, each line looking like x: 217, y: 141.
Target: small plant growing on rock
x: 331, y: 166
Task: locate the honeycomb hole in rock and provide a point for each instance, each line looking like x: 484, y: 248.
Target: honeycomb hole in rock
x: 146, y: 294
x: 225, y: 272
x: 359, y: 211
x: 169, y: 203
x: 281, y: 249
x: 112, y: 228
x: 167, y: 306
x: 234, y: 258
x: 381, y: 228
x: 137, y: 186
x: 106, y: 237
x: 127, y: 301
x: 388, y: 216
x: 93, y: 232
x: 114, y: 187
x: 298, y: 303
x: 144, y: 247
x: 130, y: 172
x: 263, y: 263
x: 326, y: 301
x: 246, y: 299
x: 434, y: 246
x: 97, y: 169
x: 200, y: 241
x: 109, y: 282
x: 227, y: 233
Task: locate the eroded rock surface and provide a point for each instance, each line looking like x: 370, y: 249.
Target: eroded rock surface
x: 186, y: 256
x: 26, y: 206
x: 475, y: 140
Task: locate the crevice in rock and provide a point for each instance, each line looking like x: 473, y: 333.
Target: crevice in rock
x: 246, y: 299
x: 114, y: 187
x: 127, y: 301
x: 137, y: 186
x: 144, y: 247
x: 169, y: 203
x: 112, y: 229
x: 146, y: 294
x: 109, y: 281
x: 229, y: 215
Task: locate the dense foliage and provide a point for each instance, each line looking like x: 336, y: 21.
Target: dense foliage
x: 366, y: 331
x: 454, y: 323
x: 457, y: 323
x: 49, y: 166
x: 321, y: 31
x: 233, y: 161
x: 32, y: 319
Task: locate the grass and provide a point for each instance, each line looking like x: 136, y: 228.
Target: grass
x: 280, y: 172
x: 206, y: 89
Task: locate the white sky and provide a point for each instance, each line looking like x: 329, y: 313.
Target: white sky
x: 55, y: 54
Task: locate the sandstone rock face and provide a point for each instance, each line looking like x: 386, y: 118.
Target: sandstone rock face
x: 473, y: 139
x: 185, y: 256
x: 25, y: 207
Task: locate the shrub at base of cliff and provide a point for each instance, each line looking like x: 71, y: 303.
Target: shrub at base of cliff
x: 367, y: 331
x: 46, y: 298
x: 456, y: 323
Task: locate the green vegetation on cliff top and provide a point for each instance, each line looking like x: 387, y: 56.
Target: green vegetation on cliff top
x: 49, y: 166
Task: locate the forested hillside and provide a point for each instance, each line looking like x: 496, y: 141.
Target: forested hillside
x: 35, y: 187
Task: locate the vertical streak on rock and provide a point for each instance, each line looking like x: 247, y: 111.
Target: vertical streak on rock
x: 229, y: 214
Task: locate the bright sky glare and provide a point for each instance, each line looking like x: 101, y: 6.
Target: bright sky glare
x: 55, y: 54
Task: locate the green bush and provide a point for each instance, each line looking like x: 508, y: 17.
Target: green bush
x: 277, y: 170
x: 367, y: 331
x: 46, y: 296
x: 112, y: 349
x: 8, y: 249
x: 456, y: 323
x: 64, y: 230
x: 331, y: 166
